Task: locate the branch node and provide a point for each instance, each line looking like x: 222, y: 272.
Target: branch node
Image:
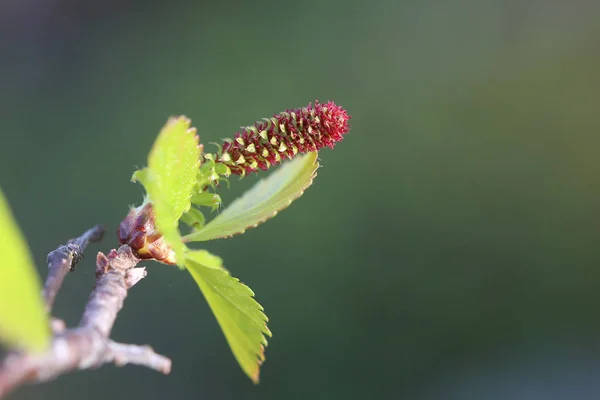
x: 135, y: 275
x: 63, y: 260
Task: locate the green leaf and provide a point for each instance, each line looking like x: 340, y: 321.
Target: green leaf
x: 170, y: 177
x: 23, y: 319
x: 263, y: 201
x: 174, y: 162
x: 241, y: 318
x: 193, y: 218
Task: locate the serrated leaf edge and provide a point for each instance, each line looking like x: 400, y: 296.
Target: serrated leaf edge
x: 263, y: 328
x: 275, y: 212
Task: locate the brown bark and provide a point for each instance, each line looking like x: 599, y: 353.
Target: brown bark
x: 88, y: 345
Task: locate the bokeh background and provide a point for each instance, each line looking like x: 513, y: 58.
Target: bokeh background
x: 449, y: 246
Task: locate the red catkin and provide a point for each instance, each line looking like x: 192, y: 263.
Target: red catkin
x: 284, y: 135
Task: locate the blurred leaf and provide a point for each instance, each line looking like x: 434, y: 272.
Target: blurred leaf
x: 23, y: 319
x: 263, y: 201
x: 241, y: 318
x: 170, y: 177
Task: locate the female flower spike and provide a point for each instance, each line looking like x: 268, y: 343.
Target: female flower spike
x: 301, y: 130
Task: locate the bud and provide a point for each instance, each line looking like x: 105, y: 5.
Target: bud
x: 286, y: 134
x: 138, y: 231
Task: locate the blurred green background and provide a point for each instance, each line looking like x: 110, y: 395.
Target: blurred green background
x: 448, y: 248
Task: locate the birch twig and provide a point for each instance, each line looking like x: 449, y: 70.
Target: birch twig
x: 89, y: 344
x: 63, y: 260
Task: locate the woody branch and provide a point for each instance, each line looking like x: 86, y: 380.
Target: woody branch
x: 88, y: 345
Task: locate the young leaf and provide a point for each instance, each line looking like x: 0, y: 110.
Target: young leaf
x: 263, y: 201
x: 23, y: 320
x: 241, y: 318
x: 174, y: 161
x: 170, y: 177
